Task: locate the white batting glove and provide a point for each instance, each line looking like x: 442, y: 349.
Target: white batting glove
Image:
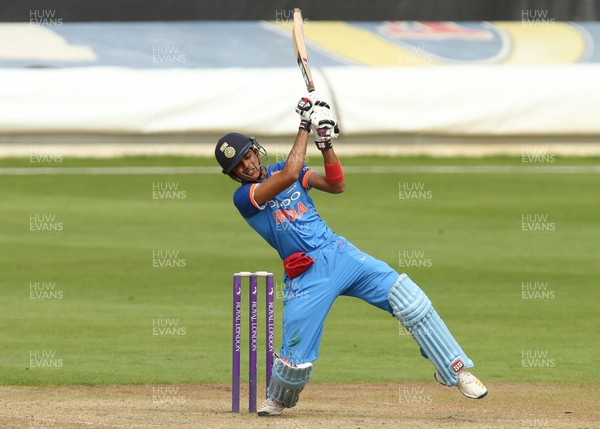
x: 325, y: 126
x: 305, y: 109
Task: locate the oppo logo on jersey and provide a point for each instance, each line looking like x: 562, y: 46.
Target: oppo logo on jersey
x: 274, y: 204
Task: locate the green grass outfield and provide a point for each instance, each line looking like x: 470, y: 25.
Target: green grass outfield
x: 97, y: 326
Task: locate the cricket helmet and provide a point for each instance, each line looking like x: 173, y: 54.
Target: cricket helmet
x: 232, y: 147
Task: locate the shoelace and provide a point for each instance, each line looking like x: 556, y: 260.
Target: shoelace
x: 273, y: 402
x: 466, y: 377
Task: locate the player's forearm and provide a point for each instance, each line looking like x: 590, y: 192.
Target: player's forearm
x: 295, y: 160
x: 333, y: 171
x: 290, y: 172
x: 329, y: 156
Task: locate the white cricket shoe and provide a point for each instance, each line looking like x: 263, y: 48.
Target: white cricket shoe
x: 270, y: 407
x: 468, y: 384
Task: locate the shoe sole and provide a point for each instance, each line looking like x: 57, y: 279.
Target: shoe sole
x: 475, y: 397
x: 267, y: 414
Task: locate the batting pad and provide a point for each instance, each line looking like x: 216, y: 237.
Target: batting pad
x: 287, y: 381
x: 414, y: 310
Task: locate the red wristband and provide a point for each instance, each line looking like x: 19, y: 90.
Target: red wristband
x: 334, y: 172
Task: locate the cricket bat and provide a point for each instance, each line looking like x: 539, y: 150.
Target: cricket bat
x: 300, y: 50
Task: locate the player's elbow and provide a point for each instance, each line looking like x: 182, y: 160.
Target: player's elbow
x: 290, y: 176
x: 338, y: 188
x: 294, y: 175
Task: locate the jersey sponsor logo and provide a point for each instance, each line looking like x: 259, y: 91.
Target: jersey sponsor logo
x: 291, y: 189
x: 276, y: 204
x: 288, y: 209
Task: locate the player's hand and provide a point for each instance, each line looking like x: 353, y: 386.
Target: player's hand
x: 325, y: 126
x: 305, y: 109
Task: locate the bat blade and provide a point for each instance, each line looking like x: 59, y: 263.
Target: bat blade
x: 300, y: 50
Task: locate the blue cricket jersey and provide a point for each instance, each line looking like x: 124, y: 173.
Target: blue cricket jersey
x: 289, y: 222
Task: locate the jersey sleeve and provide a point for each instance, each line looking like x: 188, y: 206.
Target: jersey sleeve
x: 243, y: 199
x: 304, y: 175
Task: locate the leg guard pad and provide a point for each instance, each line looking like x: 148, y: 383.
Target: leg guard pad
x: 414, y: 310
x: 287, y: 381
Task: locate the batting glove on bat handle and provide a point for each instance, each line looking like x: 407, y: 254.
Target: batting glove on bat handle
x: 305, y: 108
x: 321, y: 110
x: 326, y: 130
x: 324, y: 125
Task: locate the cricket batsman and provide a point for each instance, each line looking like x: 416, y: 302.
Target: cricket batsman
x: 320, y: 265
